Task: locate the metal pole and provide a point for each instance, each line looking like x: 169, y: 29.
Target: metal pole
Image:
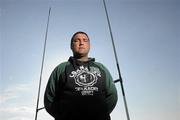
x: 118, y: 68
x: 42, y: 65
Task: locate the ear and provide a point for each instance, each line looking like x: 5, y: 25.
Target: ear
x: 71, y: 46
x: 90, y: 45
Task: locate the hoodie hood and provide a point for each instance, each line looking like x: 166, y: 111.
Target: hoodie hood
x: 76, y: 63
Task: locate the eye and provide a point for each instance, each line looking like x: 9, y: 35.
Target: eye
x: 85, y: 40
x: 75, y: 41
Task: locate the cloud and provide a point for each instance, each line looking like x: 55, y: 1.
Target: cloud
x: 15, y: 103
x: 6, y: 96
x: 17, y: 113
x: 13, y: 92
x: 22, y: 113
x: 18, y: 110
x: 20, y: 118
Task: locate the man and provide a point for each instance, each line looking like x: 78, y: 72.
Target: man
x: 80, y: 88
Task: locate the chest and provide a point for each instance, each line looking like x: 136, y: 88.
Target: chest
x: 84, y: 81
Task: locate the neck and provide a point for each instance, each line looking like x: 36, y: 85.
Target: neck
x: 81, y: 58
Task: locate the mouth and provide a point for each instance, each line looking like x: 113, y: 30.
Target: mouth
x: 81, y: 48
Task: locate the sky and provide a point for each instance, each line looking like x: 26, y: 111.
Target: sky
x: 147, y: 39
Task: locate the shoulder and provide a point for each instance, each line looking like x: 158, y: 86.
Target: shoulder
x: 61, y: 67
x: 102, y: 66
x: 63, y: 64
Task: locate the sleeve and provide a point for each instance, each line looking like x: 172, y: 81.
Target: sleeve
x: 111, y: 91
x: 49, y: 94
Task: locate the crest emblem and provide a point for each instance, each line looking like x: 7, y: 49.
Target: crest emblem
x: 86, y: 79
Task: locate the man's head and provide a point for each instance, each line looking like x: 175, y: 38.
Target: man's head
x: 80, y: 44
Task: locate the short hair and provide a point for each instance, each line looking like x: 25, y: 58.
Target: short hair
x: 79, y: 32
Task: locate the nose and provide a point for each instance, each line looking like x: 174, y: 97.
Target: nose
x: 81, y: 42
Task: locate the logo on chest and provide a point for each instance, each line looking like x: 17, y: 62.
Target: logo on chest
x: 86, y: 79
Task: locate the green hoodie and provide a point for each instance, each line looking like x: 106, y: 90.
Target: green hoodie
x: 76, y: 89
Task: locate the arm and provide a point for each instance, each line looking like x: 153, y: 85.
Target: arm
x: 111, y: 92
x: 49, y: 95
x: 52, y: 87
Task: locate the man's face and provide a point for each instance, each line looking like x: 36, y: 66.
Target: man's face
x: 80, y: 45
